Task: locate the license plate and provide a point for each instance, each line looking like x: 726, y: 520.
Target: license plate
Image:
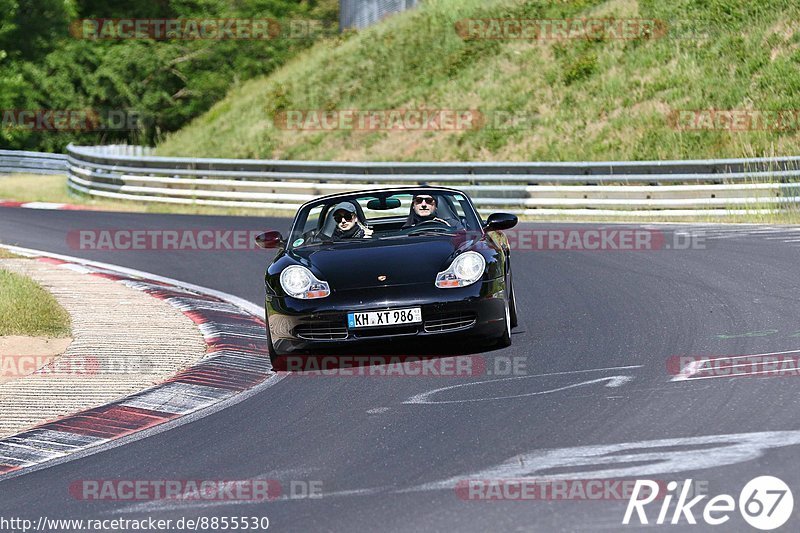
x: 392, y: 317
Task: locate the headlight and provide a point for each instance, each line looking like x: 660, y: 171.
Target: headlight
x: 299, y: 282
x: 465, y: 270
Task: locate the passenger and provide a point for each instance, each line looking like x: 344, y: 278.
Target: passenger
x: 348, y: 225
x: 423, y: 209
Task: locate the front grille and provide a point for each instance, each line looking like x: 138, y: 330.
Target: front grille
x: 392, y: 330
x: 321, y: 331
x: 449, y: 322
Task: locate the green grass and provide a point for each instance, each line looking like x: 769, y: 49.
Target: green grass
x: 5, y: 254
x: 603, y: 99
x: 38, y: 188
x: 28, y: 309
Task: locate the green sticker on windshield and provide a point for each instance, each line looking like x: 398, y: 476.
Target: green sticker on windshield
x: 298, y: 242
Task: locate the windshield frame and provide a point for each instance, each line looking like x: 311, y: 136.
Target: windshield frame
x: 472, y: 215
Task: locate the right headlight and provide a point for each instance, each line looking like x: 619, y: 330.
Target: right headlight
x: 465, y: 270
x: 300, y: 282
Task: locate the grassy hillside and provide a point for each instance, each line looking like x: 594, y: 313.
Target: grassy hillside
x: 586, y: 99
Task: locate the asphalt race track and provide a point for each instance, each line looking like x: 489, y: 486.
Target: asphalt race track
x: 597, y: 329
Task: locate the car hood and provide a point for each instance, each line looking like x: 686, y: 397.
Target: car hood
x: 403, y: 261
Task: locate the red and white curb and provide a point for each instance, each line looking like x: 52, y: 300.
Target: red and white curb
x: 236, y: 361
x: 44, y: 205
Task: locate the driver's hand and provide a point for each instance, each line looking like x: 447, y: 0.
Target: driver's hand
x: 368, y: 232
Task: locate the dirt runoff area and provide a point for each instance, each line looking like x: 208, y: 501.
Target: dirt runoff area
x: 22, y: 356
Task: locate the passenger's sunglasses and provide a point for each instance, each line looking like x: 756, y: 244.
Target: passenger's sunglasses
x: 338, y: 217
x: 427, y: 199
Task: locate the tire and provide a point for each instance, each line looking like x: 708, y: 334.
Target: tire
x: 513, y: 305
x: 504, y: 341
x: 273, y: 355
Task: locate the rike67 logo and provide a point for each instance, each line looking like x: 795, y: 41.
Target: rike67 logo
x: 766, y: 503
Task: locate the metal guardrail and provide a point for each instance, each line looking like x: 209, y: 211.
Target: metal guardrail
x: 17, y: 161
x: 698, y: 171
x: 635, y: 188
x: 363, y: 13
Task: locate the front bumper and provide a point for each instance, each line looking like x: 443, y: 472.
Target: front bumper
x: 313, y: 326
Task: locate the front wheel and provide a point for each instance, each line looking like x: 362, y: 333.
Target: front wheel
x: 505, y: 339
x: 273, y: 355
x: 513, y: 304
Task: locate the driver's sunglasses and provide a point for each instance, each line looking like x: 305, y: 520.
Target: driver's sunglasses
x: 427, y: 199
x: 338, y: 217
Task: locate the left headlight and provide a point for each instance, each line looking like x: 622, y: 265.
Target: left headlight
x: 300, y: 282
x: 465, y: 270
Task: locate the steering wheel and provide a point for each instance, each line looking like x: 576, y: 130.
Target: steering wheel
x: 430, y: 223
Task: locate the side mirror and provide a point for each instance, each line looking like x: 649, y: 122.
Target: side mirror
x: 269, y: 239
x: 500, y: 221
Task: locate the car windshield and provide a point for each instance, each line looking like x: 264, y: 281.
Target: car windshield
x: 391, y: 215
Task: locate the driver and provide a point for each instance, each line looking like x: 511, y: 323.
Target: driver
x: 348, y: 226
x: 423, y: 209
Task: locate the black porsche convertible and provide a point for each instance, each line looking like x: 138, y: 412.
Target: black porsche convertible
x: 378, y: 265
